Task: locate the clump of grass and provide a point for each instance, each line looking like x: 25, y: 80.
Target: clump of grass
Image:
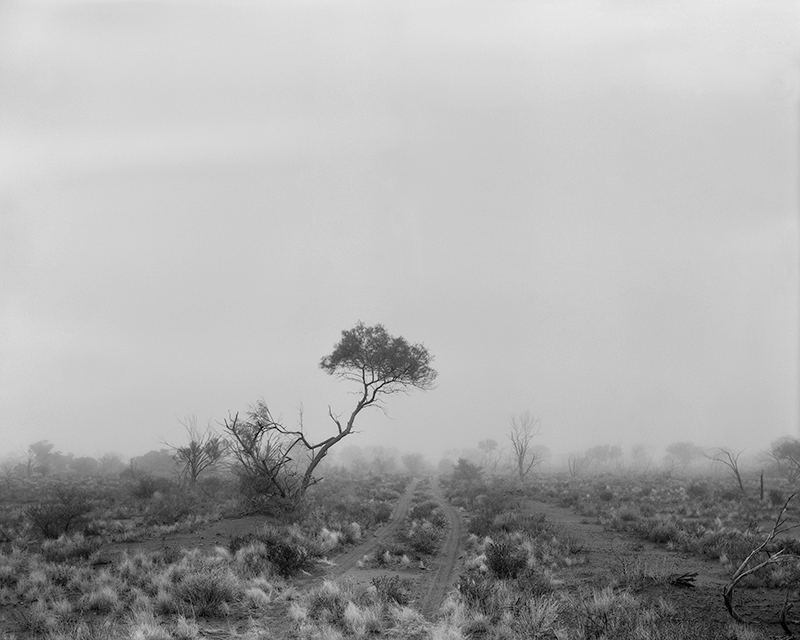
x: 393, y: 589
x: 207, y: 586
x: 423, y: 537
x: 288, y: 556
x: 505, y: 559
x: 70, y: 548
x: 54, y: 517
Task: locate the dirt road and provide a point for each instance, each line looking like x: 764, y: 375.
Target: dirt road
x: 347, y: 561
x: 445, y: 568
x: 431, y: 582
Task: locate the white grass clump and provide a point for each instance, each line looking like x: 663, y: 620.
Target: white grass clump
x: 256, y: 598
x: 144, y: 626
x: 298, y: 612
x: 185, y: 629
x: 328, y: 540
x: 102, y: 599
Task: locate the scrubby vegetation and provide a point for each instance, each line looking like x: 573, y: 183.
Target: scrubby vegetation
x: 84, y: 557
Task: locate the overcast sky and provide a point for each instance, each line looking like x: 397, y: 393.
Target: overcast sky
x: 587, y: 209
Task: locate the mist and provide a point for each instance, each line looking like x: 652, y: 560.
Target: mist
x: 587, y: 210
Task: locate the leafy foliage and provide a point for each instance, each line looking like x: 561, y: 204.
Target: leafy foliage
x: 379, y: 361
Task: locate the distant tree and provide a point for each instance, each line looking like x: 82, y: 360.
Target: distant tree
x: 60, y: 462
x: 680, y: 455
x: 640, y: 458
x: 354, y: 458
x: 414, y: 463
x: 204, y: 450
x: 85, y: 466
x: 542, y: 452
x: 111, y: 463
x: 524, y: 427
x: 490, y: 454
x: 466, y: 480
x: 604, y: 455
x: 785, y: 454
x: 159, y: 462
x: 8, y: 470
x: 382, y: 460
x: 445, y: 466
x: 730, y: 460
x: 39, y: 457
x: 466, y: 471
x: 576, y: 463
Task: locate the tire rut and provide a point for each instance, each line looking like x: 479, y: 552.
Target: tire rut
x: 434, y: 592
x: 347, y: 561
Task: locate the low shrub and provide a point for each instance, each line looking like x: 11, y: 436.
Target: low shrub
x: 287, y: 556
x: 393, y: 589
x: 327, y: 604
x: 505, y: 559
x: 208, y: 588
x: 54, y: 518
x: 70, y: 548
x: 533, y: 582
x: 424, y: 538
x: 145, y: 487
x: 697, y: 490
x: 776, y: 498
x: 169, y: 508
x: 478, y: 592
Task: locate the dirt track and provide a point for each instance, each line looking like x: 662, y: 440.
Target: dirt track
x: 436, y: 588
x: 347, y: 561
x: 432, y: 583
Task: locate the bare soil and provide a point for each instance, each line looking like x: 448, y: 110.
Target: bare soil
x: 617, y: 554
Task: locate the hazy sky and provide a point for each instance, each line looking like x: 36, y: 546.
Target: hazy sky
x: 587, y: 209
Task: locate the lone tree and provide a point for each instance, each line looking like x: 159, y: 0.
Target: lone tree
x: 730, y: 460
x: 204, y: 450
x: 680, y: 455
x: 377, y: 363
x: 523, y: 429
x: 785, y: 453
x: 380, y: 365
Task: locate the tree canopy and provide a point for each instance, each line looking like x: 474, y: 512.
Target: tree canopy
x: 380, y: 362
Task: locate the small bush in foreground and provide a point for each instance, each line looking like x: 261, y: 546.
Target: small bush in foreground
x: 505, y: 559
x: 393, y: 589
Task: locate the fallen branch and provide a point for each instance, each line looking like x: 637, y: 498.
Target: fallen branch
x: 684, y: 580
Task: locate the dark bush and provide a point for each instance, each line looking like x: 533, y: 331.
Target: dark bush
x: 55, y: 517
x: 776, y: 498
x: 606, y: 495
x: 286, y: 556
x: 170, y: 508
x: 505, y: 559
x: 424, y: 538
x: 145, y: 487
x: 662, y: 533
